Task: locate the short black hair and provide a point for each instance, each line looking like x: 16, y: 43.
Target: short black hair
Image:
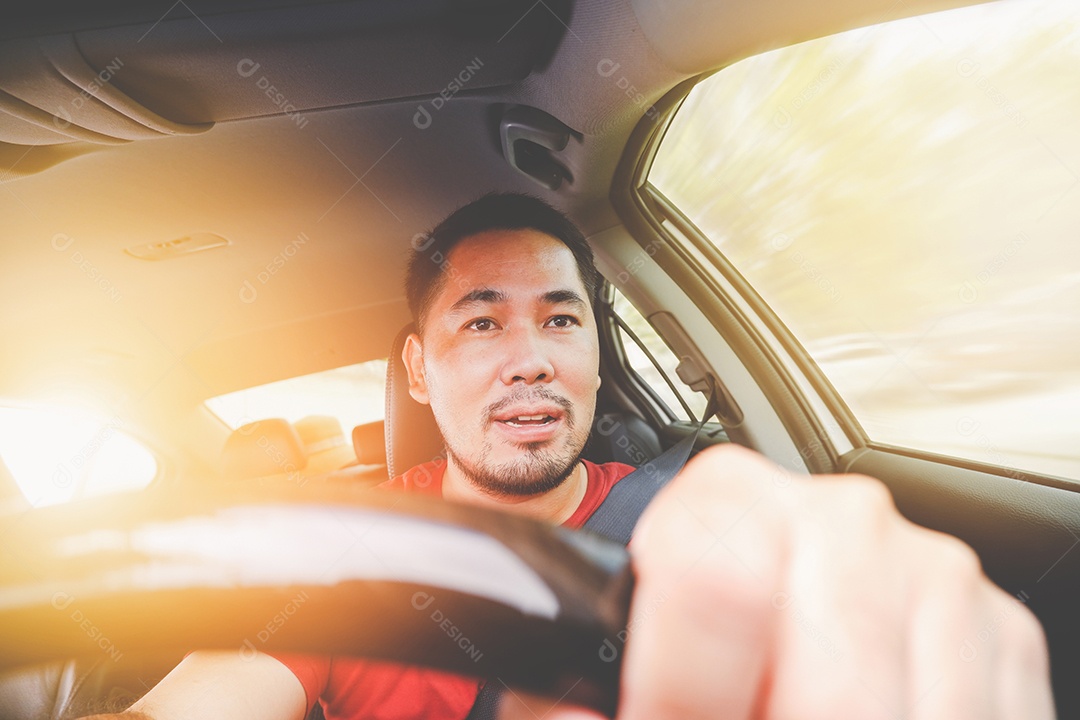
x: 425, y: 276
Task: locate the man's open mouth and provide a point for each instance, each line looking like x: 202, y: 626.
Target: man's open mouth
x: 530, y: 420
x: 527, y: 420
x: 534, y: 421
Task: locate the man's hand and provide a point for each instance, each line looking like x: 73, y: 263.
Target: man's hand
x: 764, y: 595
x: 221, y: 684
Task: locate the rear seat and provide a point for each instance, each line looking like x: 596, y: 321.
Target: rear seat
x: 314, y: 448
x: 369, y: 455
x: 266, y: 450
x: 325, y: 444
x: 369, y: 443
x: 622, y: 437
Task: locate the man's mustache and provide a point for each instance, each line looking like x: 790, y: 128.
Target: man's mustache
x: 526, y: 396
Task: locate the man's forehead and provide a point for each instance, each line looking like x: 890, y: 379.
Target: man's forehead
x: 521, y: 245
x: 498, y: 266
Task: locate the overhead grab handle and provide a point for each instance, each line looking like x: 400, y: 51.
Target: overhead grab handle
x: 530, y: 139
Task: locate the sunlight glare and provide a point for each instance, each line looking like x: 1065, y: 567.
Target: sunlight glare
x: 56, y: 454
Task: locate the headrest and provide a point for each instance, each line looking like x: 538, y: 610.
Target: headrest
x: 369, y: 443
x: 325, y: 443
x: 319, y: 432
x: 412, y: 437
x: 259, y: 449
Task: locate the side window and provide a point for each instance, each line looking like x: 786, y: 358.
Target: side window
x: 652, y: 363
x: 57, y: 455
x: 905, y: 198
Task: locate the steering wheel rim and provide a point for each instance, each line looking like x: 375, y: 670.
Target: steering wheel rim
x: 414, y: 580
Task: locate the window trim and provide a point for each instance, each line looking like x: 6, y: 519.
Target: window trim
x: 621, y: 324
x: 787, y: 341
x: 643, y: 398
x: 642, y: 216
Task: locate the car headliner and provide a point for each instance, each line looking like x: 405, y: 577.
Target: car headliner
x: 319, y: 209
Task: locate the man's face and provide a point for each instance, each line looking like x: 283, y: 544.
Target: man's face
x: 509, y: 361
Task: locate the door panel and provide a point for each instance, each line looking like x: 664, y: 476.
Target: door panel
x: 1026, y: 534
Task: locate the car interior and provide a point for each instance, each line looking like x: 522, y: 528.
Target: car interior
x: 202, y: 198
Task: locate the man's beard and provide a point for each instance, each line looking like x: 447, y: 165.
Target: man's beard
x: 538, y: 470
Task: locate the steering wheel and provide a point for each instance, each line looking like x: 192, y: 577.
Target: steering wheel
x: 326, y: 570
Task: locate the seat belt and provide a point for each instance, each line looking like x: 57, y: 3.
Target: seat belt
x: 618, y: 514
x: 615, y: 519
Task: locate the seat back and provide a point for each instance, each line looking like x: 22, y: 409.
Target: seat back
x: 369, y: 443
x: 83, y: 686
x: 325, y: 444
x: 622, y: 437
x: 412, y: 437
x: 263, y: 448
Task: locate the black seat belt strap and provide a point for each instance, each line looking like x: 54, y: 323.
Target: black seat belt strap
x: 618, y: 514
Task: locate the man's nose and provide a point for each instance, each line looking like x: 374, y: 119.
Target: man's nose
x: 527, y: 359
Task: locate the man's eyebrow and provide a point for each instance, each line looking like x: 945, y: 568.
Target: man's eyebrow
x: 564, y: 297
x: 478, y: 296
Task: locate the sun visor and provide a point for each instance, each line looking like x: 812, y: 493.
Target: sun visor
x: 180, y: 73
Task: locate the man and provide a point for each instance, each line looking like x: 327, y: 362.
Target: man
x: 755, y: 598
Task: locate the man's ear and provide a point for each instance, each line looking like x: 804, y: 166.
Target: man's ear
x: 413, y: 357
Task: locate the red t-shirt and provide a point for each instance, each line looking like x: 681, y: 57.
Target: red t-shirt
x: 352, y: 689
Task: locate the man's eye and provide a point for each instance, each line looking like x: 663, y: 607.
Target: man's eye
x: 563, y: 321
x: 482, y: 324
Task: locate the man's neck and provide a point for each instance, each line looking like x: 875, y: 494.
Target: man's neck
x: 555, y: 506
